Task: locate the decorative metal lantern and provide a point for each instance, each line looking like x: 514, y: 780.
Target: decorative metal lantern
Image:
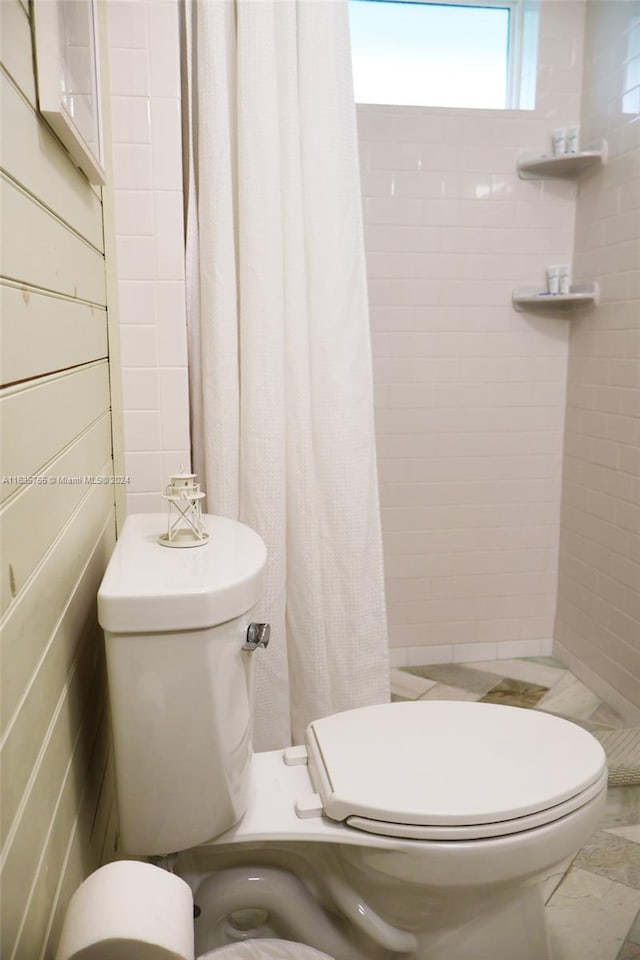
x: 184, y: 523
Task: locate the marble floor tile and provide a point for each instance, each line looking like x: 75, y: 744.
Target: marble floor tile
x: 629, y: 951
x: 570, y: 698
x: 549, y: 661
x: 539, y: 673
x: 588, y: 917
x: 443, y: 691
x: 613, y: 857
x: 607, y: 716
x: 515, y: 693
x: 457, y: 675
x: 623, y: 807
x: 551, y: 884
x: 594, y: 728
x: 408, y: 685
x: 634, y: 932
x: 631, y: 833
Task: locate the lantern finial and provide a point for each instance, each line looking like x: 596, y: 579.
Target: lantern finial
x: 185, y: 527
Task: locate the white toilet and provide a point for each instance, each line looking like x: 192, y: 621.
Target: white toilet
x: 420, y: 831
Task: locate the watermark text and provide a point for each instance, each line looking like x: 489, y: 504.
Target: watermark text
x: 41, y: 480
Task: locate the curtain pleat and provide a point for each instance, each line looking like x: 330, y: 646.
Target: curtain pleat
x: 280, y: 357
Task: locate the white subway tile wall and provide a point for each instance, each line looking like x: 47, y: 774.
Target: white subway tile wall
x: 144, y: 65
x: 470, y: 396
x: 598, y: 618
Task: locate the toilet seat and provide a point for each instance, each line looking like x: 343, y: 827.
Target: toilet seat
x: 480, y: 831
x: 450, y: 770
x: 265, y: 950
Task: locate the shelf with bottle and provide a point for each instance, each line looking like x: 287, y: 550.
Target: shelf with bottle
x: 580, y: 295
x: 564, y: 166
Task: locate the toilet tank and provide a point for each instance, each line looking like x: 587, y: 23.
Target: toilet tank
x: 175, y: 620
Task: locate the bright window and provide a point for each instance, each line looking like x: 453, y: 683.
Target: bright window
x: 457, y: 54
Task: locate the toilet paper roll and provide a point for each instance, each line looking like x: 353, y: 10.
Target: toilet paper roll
x: 129, y: 910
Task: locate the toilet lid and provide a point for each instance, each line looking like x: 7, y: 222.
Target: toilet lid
x: 266, y: 950
x: 427, y: 769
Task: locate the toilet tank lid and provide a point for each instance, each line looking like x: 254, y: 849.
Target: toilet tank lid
x: 148, y: 587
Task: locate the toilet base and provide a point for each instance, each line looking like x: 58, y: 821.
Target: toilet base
x: 481, y: 925
x: 513, y: 928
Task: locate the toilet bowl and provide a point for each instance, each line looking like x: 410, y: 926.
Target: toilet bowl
x: 266, y: 950
x: 420, y: 831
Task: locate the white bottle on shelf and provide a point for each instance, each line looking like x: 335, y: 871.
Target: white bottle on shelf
x: 553, y: 279
x: 573, y: 140
x: 564, y: 279
x: 559, y: 141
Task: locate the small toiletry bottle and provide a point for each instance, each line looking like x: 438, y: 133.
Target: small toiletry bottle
x: 564, y: 279
x: 573, y: 139
x: 559, y: 141
x: 553, y: 279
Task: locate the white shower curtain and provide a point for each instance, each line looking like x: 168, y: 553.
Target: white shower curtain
x: 280, y: 367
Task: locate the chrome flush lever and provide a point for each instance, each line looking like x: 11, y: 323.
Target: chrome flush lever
x: 258, y: 635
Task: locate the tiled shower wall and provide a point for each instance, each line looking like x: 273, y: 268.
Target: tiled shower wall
x: 470, y: 394
x: 144, y: 67
x: 598, y: 621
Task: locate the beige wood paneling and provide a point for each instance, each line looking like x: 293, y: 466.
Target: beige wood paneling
x: 66, y: 843
x: 68, y: 747
x: 74, y: 868
x: 15, y: 47
x: 32, y: 619
x: 42, y: 333
x: 38, y: 249
x: 53, y: 796
x: 41, y: 417
x: 42, y: 509
x: 24, y: 737
x: 36, y: 160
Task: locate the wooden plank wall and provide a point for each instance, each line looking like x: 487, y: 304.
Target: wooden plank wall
x: 57, y: 816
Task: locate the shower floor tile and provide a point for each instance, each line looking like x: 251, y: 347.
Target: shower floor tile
x: 549, y: 661
x: 605, y: 715
x: 441, y: 691
x: 409, y: 686
x: 570, y: 698
x: 458, y: 675
x: 515, y: 693
x: 538, y: 673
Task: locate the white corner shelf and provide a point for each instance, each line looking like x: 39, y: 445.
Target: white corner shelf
x: 582, y: 295
x: 565, y: 166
